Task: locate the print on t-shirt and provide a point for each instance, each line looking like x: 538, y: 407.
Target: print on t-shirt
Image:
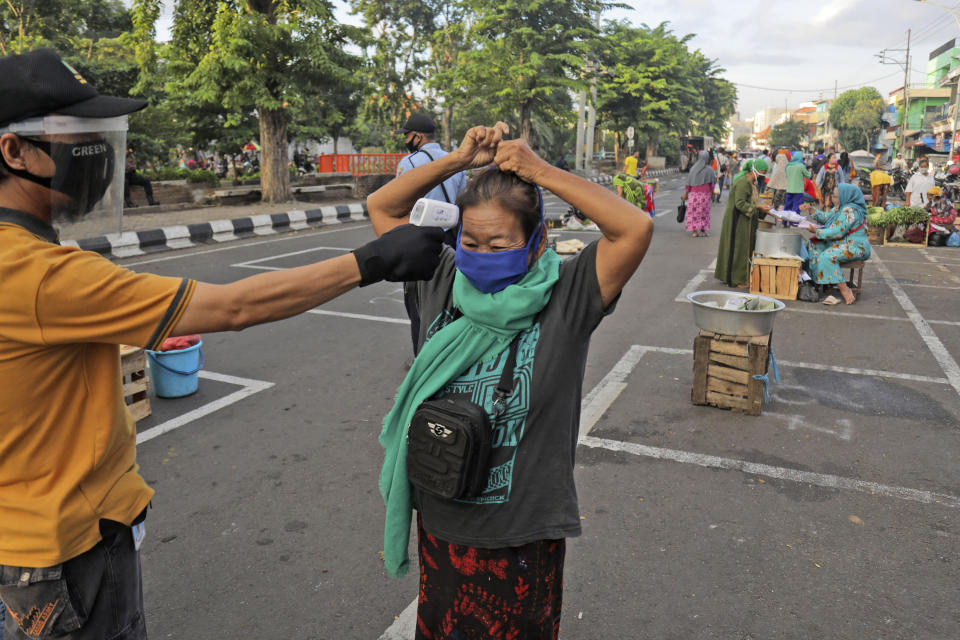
x: 477, y: 385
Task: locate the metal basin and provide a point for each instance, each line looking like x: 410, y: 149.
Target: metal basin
x: 728, y: 321
x: 774, y: 243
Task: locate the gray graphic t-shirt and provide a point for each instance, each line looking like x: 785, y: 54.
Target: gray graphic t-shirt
x: 530, y: 493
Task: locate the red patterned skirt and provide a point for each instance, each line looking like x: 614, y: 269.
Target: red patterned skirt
x: 513, y: 593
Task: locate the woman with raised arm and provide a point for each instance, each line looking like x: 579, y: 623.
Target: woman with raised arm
x: 501, y: 299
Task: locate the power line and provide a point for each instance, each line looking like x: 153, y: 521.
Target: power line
x: 792, y: 90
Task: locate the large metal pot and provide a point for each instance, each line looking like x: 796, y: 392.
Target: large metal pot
x: 776, y: 243
x: 730, y: 322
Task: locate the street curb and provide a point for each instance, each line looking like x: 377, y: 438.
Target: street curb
x: 655, y: 173
x: 138, y: 243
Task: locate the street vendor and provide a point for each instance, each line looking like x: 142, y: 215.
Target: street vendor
x: 839, y: 235
x: 942, y: 211
x: 738, y: 234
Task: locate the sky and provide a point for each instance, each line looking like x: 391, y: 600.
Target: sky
x: 796, y: 51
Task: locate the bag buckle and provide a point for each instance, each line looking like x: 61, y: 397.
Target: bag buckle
x: 500, y: 401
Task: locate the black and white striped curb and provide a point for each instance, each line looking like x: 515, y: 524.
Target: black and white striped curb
x: 653, y: 173
x: 137, y: 243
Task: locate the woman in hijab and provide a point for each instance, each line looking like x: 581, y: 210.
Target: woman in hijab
x: 698, y: 194
x: 829, y: 177
x: 500, y: 299
x: 778, y: 181
x: 796, y: 172
x: 841, y: 238
x: 739, y: 232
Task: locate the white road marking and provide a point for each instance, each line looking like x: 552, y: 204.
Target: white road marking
x: 778, y: 473
x: 249, y: 264
x: 405, y: 626
x: 692, y: 285
x: 358, y: 316
x: 927, y: 286
x: 241, y: 245
x: 609, y: 389
x: 940, y: 353
x: 876, y: 373
x: 948, y: 264
x: 795, y: 421
x: 249, y: 385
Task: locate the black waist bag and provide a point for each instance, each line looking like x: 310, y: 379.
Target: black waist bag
x: 448, y: 443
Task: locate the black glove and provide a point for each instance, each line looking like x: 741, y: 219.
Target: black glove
x: 402, y: 254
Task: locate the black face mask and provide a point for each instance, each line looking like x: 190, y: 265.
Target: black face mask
x: 414, y: 146
x: 84, y: 171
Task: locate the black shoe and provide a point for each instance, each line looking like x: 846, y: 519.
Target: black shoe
x: 155, y: 203
x: 129, y: 205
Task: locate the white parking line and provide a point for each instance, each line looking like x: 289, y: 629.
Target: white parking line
x: 249, y: 264
x: 940, y: 353
x: 249, y: 385
x: 242, y: 245
x: 779, y: 473
x: 358, y: 316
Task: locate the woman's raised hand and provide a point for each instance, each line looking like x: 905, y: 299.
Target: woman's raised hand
x: 515, y: 156
x: 479, y: 145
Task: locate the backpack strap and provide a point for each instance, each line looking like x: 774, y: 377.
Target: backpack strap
x: 442, y: 186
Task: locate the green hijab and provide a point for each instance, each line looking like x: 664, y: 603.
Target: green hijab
x: 747, y: 168
x: 488, y: 325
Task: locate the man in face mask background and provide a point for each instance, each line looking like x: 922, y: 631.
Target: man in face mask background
x: 920, y: 183
x: 419, y: 136
x: 72, y: 501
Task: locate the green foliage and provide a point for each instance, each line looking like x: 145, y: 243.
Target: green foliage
x: 855, y: 114
x: 69, y: 26
x: 652, y: 81
x: 743, y: 142
x: 787, y: 135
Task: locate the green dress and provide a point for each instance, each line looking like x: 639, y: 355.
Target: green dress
x: 738, y: 234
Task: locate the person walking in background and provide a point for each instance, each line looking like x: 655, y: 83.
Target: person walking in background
x: 880, y: 181
x: 131, y: 179
x: 898, y: 163
x: 846, y: 167
x: 829, y: 177
x: 724, y: 163
x: 630, y: 164
x: 796, y: 172
x: 762, y: 177
x: 778, y: 181
x: 698, y: 194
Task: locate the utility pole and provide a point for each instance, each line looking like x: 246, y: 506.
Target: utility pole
x: 592, y: 118
x: 906, y: 96
x: 578, y: 162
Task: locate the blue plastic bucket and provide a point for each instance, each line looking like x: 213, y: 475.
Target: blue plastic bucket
x: 174, y: 373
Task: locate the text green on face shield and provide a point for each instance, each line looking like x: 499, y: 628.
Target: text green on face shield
x: 84, y: 171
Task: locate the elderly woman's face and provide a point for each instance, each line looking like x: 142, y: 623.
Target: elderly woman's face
x: 488, y: 227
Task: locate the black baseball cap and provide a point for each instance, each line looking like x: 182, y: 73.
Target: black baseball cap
x: 420, y: 123
x: 40, y: 83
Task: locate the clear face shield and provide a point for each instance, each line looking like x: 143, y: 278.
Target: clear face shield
x: 82, y: 162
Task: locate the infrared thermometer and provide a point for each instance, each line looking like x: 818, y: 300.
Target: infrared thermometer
x: 434, y: 213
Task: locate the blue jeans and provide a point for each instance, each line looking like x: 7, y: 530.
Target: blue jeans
x: 793, y: 201
x: 95, y: 595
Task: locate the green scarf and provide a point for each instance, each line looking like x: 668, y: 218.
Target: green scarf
x: 747, y: 168
x: 488, y: 325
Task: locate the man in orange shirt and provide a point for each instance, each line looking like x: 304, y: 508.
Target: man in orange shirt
x: 72, y: 502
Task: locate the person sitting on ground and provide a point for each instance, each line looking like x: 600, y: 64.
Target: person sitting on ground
x: 841, y: 238
x: 502, y: 296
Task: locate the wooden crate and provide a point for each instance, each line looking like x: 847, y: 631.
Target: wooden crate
x: 723, y: 370
x: 775, y: 277
x: 133, y: 370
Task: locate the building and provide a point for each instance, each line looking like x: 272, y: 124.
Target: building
x: 766, y: 118
x: 942, y: 60
x: 736, y: 128
x: 924, y: 107
x: 824, y: 135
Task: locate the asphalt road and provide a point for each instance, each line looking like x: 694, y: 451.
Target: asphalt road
x: 832, y: 515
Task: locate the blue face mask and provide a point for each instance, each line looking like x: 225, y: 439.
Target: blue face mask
x: 495, y: 271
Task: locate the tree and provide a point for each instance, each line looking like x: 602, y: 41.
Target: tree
x: 743, y: 142
x: 647, y: 81
x: 269, y: 57
x: 717, y: 97
x: 855, y: 114
x: 787, y: 135
x: 527, y: 51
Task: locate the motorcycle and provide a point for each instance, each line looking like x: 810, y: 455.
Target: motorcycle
x: 900, y: 179
x: 863, y: 181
